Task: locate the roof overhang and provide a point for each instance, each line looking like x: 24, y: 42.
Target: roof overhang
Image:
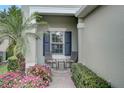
x: 55, y: 10
x: 85, y: 10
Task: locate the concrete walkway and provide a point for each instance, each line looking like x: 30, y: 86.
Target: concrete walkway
x: 61, y: 79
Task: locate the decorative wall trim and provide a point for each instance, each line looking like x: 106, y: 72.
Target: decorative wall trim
x: 57, y: 29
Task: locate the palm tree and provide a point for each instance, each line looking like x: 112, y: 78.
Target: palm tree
x: 14, y: 25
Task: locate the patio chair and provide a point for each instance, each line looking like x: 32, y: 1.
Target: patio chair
x: 49, y: 60
x: 73, y: 58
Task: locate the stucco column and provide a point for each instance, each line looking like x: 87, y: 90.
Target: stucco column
x: 80, y: 27
x: 31, y: 58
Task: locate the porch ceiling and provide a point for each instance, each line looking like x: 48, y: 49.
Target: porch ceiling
x: 56, y: 9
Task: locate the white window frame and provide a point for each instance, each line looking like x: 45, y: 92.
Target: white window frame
x: 51, y: 32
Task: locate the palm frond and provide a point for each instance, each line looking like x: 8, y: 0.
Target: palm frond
x: 7, y: 35
x: 35, y: 35
x: 14, y: 25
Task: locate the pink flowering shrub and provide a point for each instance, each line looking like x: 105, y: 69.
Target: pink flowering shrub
x: 7, y: 80
x: 19, y: 80
x: 32, y: 82
x: 42, y: 71
x: 10, y: 75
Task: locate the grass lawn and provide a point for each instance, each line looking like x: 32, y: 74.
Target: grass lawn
x: 3, y: 69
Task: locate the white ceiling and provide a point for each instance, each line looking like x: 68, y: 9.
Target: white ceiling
x: 55, y: 9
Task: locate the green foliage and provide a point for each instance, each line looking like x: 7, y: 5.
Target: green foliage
x: 13, y: 64
x: 14, y: 26
x: 84, y: 77
x: 1, y: 58
x: 9, y: 51
x: 3, y: 69
x: 39, y: 18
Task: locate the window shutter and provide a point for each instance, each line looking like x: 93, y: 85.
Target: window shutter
x: 68, y: 43
x: 46, y: 43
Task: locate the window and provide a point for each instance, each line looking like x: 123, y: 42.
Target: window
x: 57, y: 42
x: 2, y: 56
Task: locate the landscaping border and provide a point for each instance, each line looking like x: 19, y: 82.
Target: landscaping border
x: 83, y: 77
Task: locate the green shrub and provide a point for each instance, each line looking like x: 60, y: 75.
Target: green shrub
x: 13, y: 64
x: 84, y: 77
x: 9, y: 51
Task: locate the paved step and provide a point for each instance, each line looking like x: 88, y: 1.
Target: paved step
x: 61, y: 79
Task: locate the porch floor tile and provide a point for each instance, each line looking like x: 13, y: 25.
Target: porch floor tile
x: 61, y: 79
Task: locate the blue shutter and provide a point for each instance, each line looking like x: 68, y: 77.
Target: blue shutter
x: 1, y: 53
x: 46, y: 43
x: 68, y: 43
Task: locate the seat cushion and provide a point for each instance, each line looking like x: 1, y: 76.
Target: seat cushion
x: 50, y: 60
x: 70, y: 60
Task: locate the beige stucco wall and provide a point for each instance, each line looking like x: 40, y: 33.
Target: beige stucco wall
x: 3, y: 46
x: 57, y: 23
x: 101, y: 43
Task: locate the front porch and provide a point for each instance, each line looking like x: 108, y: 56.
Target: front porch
x: 59, y: 38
